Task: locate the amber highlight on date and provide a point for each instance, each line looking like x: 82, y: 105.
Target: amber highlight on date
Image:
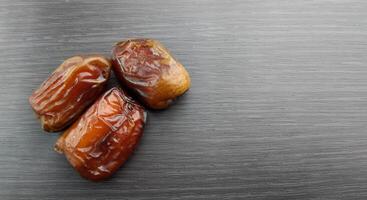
x: 69, y: 90
x: 104, y: 136
x: 146, y: 67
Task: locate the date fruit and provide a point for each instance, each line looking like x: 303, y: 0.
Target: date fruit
x: 104, y: 136
x: 73, y: 86
x: 146, y: 67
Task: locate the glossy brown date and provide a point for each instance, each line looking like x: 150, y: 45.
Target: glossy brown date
x: 73, y: 86
x: 104, y: 136
x: 146, y: 67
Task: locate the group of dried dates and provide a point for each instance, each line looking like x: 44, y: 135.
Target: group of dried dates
x: 103, y: 128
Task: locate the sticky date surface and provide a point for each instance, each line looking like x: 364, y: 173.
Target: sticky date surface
x: 105, y: 135
x: 73, y: 86
x: 146, y: 67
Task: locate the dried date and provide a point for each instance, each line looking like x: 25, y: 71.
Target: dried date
x: 104, y: 136
x: 146, y: 67
x: 73, y: 86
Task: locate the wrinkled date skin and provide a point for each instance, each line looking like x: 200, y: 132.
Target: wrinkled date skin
x: 73, y: 86
x: 146, y: 67
x: 104, y: 136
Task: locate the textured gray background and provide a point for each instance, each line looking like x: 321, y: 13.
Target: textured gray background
x: 277, y: 108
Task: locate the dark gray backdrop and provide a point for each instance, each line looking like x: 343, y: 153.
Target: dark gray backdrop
x: 277, y: 108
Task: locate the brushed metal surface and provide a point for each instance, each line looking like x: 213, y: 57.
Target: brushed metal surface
x: 277, y: 108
